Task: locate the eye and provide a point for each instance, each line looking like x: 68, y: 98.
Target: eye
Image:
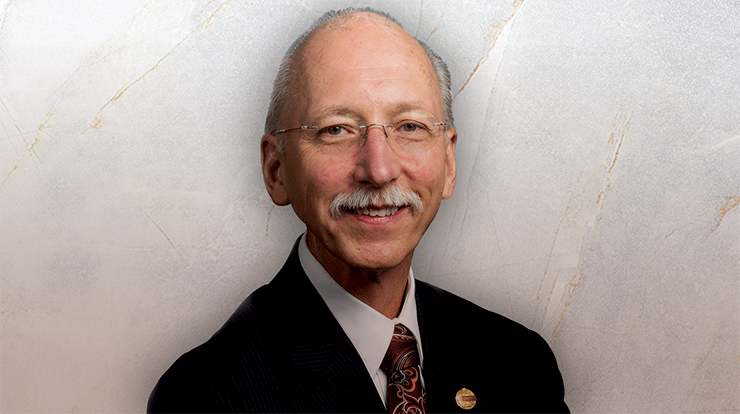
x: 335, y: 130
x: 335, y: 134
x: 410, y: 127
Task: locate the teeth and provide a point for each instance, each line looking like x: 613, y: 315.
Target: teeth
x: 376, y: 212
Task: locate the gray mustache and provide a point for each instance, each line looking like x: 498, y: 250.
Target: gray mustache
x: 363, y: 197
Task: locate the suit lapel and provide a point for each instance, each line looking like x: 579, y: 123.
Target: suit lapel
x: 323, y: 360
x: 447, y: 364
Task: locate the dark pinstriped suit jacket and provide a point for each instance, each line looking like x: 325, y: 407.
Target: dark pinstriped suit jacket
x: 283, y: 351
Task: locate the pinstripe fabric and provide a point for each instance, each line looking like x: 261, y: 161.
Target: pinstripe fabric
x: 283, y: 351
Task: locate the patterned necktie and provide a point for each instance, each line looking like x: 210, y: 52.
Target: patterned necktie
x: 401, y: 365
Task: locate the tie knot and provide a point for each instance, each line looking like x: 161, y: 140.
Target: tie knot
x: 402, y: 352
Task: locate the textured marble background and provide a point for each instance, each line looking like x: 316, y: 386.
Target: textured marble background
x: 597, y: 198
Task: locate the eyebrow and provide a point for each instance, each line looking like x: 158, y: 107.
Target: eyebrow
x: 410, y: 106
x: 318, y: 117
x: 341, y: 110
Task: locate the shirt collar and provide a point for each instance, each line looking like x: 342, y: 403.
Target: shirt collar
x: 369, y: 331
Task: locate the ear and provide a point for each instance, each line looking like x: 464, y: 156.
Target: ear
x: 450, y: 164
x: 272, y: 170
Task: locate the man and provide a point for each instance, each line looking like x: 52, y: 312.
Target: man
x: 360, y: 142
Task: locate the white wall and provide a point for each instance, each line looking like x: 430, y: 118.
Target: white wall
x: 597, y: 198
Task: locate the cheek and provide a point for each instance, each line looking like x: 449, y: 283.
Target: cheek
x: 428, y: 173
x: 324, y: 177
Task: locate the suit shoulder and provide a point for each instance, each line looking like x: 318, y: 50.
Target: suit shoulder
x: 207, y: 377
x: 444, y: 314
x: 252, y: 355
x: 449, y: 306
x: 511, y: 363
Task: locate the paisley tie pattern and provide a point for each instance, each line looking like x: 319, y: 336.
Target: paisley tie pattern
x: 401, y: 364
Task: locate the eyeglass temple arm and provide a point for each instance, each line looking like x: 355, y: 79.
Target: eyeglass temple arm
x: 282, y: 131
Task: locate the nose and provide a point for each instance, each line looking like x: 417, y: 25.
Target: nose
x: 377, y: 164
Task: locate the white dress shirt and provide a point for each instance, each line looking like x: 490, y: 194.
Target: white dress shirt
x: 369, y: 330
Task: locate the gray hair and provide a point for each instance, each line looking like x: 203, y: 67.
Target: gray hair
x: 390, y: 195
x: 280, y: 89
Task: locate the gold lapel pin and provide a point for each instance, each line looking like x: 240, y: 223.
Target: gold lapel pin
x: 465, y: 399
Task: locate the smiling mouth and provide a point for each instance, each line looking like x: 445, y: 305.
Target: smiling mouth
x: 371, y: 202
x: 375, y: 212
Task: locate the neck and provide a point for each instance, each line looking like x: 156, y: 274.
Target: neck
x: 381, y: 289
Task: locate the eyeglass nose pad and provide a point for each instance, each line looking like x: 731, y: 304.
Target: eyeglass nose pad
x: 367, y: 130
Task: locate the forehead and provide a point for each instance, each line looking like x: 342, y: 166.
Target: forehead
x: 365, y: 60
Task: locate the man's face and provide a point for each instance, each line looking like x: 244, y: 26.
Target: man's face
x: 371, y: 71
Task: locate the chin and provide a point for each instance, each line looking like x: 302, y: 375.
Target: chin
x: 376, y: 259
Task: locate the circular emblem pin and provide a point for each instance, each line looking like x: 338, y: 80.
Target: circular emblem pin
x: 465, y: 399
